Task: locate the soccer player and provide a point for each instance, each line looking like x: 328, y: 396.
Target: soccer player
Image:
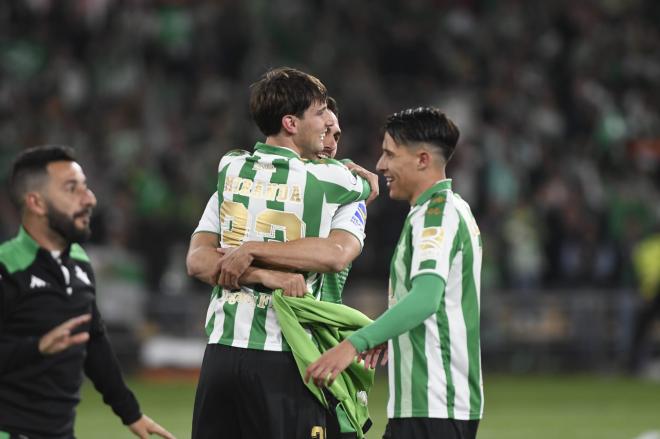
x: 46, y: 281
x: 249, y: 384
x: 338, y: 251
x: 432, y: 325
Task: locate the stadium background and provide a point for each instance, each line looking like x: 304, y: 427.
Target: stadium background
x: 559, y: 157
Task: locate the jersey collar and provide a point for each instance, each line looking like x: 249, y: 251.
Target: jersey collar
x: 26, y: 241
x: 276, y: 150
x: 441, y: 185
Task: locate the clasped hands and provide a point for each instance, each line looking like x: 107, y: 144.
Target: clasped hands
x: 234, y: 268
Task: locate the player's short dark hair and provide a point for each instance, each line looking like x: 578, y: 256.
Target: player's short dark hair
x: 423, y: 125
x: 332, y: 106
x: 283, y: 91
x: 30, y: 168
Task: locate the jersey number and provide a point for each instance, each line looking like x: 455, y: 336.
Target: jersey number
x: 269, y: 224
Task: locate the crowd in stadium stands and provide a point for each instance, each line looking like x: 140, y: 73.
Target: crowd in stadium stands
x: 558, y: 105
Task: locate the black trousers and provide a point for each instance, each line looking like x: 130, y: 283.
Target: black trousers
x: 252, y: 394
x: 430, y: 428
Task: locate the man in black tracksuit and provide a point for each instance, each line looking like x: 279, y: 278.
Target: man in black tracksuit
x: 46, y: 282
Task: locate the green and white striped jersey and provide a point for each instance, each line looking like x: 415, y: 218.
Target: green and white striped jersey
x: 351, y: 218
x: 435, y: 368
x: 271, y: 194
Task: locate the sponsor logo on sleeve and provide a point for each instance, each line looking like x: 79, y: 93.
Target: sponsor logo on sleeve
x: 360, y: 216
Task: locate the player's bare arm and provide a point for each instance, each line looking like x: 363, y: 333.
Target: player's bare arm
x: 205, y: 263
x: 321, y: 255
x: 202, y: 260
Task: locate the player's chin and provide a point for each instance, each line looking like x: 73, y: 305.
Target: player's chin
x: 396, y: 195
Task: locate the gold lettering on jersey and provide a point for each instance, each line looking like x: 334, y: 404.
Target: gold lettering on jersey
x: 318, y: 432
x: 271, y: 192
x: 258, y: 190
x: 264, y: 300
x: 261, y: 166
x: 261, y: 300
x: 231, y: 184
x: 282, y: 192
x: 432, y: 238
x: 246, y: 187
x: 295, y: 194
x: 263, y: 190
x: 270, y: 221
x: 233, y: 223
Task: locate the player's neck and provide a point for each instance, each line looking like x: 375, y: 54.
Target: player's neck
x: 43, y: 235
x: 426, y: 182
x: 283, y: 141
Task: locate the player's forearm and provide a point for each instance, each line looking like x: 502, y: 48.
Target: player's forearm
x: 422, y: 301
x: 202, y: 263
x: 254, y: 275
x: 320, y: 255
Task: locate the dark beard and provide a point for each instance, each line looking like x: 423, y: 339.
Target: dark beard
x: 65, y: 226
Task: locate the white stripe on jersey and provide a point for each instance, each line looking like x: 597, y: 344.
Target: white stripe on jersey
x: 437, y: 401
x: 459, y: 354
x: 219, y: 323
x: 405, y: 363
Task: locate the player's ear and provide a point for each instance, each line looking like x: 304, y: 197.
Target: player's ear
x: 423, y: 159
x: 289, y: 123
x: 35, y: 202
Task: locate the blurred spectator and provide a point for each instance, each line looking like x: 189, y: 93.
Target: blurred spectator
x: 646, y: 258
x: 560, y: 114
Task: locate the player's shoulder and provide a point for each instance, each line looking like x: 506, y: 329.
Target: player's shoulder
x: 329, y: 170
x: 15, y: 255
x: 324, y: 162
x: 230, y: 156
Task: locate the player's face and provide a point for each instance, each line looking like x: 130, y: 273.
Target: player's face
x: 69, y: 201
x: 398, y: 165
x: 331, y: 139
x: 312, y: 127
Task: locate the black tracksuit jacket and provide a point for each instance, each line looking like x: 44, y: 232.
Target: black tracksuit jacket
x: 39, y: 393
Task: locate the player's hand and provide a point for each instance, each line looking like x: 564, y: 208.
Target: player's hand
x: 369, y: 176
x: 370, y: 356
x: 59, y: 338
x: 324, y: 371
x: 145, y: 427
x: 233, y: 264
x: 292, y: 284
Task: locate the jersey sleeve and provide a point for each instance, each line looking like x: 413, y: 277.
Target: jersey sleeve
x: 15, y: 352
x: 422, y: 301
x: 434, y: 230
x: 210, y: 220
x: 340, y: 185
x: 351, y: 218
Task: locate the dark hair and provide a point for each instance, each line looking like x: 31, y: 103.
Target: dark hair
x: 280, y: 92
x: 332, y: 106
x: 423, y: 125
x: 29, y: 168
